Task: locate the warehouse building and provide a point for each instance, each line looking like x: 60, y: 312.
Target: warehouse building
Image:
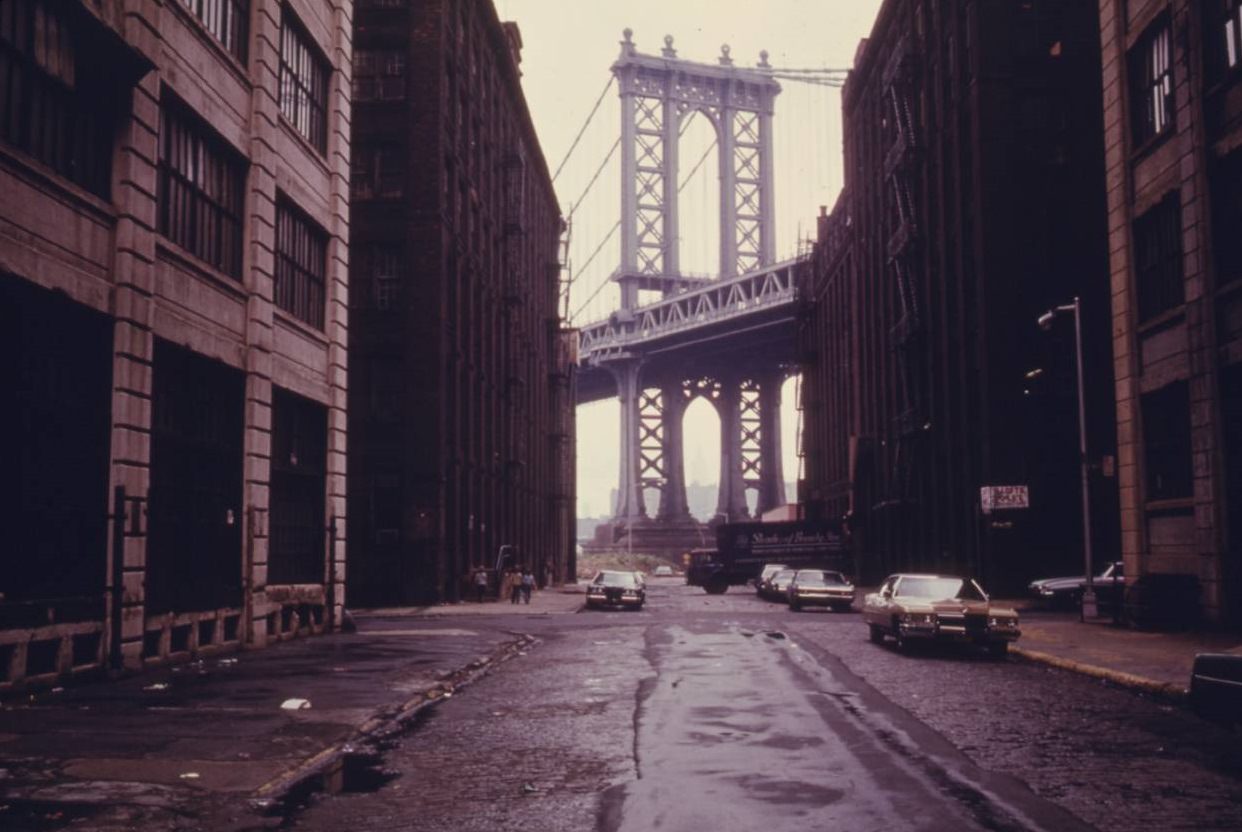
x: 173, y: 298
x: 461, y: 399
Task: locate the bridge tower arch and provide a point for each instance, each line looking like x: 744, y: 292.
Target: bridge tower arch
x: 657, y: 94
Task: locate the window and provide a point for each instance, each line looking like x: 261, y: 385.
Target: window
x: 379, y: 75
x: 227, y: 21
x: 376, y: 172
x: 51, y: 107
x: 1226, y: 186
x: 200, y: 190
x: 303, y: 83
x: 1166, y: 442
x: 1223, y: 27
x: 377, y: 276
x: 1158, y: 258
x: 1151, y: 83
x: 301, y: 263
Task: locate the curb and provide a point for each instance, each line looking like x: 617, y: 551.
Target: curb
x: 1166, y: 690
x: 276, y: 793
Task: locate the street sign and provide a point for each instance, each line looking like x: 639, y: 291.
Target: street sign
x: 1002, y: 497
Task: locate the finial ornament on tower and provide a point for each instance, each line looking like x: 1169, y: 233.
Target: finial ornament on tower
x: 627, y: 45
x: 668, y: 51
x: 763, y: 60
x: 725, y: 60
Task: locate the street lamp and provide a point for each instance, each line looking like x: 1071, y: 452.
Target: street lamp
x: 1089, y: 609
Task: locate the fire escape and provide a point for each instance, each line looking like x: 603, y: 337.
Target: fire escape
x: 901, y: 167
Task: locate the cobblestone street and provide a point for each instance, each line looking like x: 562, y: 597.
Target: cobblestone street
x: 556, y: 738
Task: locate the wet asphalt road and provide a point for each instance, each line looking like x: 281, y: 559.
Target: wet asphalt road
x: 731, y: 713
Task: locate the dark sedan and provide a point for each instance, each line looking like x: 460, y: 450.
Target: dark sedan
x: 1067, y: 592
x: 616, y: 589
x: 820, y: 588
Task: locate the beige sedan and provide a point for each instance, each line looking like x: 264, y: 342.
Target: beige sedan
x: 914, y: 608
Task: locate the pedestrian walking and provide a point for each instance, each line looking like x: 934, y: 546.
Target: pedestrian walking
x: 480, y: 583
x: 515, y: 586
x: 528, y: 584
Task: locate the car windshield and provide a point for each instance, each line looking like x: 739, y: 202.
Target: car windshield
x: 784, y: 575
x: 626, y: 579
x: 936, y: 589
x: 816, y: 577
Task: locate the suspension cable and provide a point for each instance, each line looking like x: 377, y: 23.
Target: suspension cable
x: 585, y: 125
x: 588, y: 262
x: 617, y: 225
x: 594, y: 178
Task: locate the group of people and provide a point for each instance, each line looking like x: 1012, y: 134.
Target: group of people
x: 517, y: 584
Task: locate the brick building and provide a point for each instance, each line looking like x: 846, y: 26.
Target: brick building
x: 173, y: 267
x: 973, y: 202
x: 461, y: 407
x: 1173, y: 130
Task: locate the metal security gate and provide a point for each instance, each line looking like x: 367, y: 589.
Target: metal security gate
x: 194, y: 549
x: 299, y: 464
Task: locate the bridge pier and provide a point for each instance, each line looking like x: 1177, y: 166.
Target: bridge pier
x: 629, y: 508
x: 731, y: 501
x: 674, y: 507
x: 771, y: 468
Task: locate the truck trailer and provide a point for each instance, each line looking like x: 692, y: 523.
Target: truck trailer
x: 743, y: 549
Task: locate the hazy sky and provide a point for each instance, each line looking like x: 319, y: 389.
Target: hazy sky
x: 569, y: 46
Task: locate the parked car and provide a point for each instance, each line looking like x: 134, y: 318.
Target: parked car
x: 663, y: 572
x: 820, y: 588
x: 1067, y: 592
x: 763, y: 583
x: 778, y: 585
x: 616, y: 589
x: 949, y: 608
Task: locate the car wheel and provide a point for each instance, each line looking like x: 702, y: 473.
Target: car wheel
x: 795, y: 606
x: 903, y: 643
x: 716, y: 586
x: 998, y: 649
x: 875, y: 634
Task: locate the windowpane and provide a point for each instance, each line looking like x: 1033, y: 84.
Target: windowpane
x: 1158, y: 258
x: 1166, y: 442
x: 200, y: 190
x: 46, y: 106
x: 379, y: 75
x: 227, y: 21
x: 303, y: 83
x: 301, y: 265
x: 1151, y: 83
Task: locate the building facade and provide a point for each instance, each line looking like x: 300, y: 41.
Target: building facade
x: 1172, y: 76
x: 461, y: 387
x: 973, y: 202
x: 173, y: 295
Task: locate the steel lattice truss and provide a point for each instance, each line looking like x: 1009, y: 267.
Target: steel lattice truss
x: 760, y: 291
x: 748, y: 191
x: 650, y: 181
x: 752, y: 457
x: 652, y: 472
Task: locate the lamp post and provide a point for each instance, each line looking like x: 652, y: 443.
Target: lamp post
x: 1089, y: 609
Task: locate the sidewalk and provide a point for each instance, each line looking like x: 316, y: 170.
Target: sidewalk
x: 551, y: 601
x: 1150, y: 661
x: 222, y: 736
